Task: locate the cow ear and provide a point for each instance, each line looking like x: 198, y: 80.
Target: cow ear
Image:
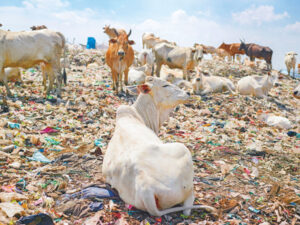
x: 112, y: 40
x: 131, y: 42
x: 144, y: 88
x: 193, y: 50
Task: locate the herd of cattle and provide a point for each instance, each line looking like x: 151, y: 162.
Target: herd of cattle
x: 133, y: 165
x: 120, y: 56
x: 173, y: 63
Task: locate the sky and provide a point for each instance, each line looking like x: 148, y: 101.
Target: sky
x: 273, y: 23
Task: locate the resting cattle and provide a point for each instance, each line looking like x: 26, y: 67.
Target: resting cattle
x: 232, y: 49
x: 210, y: 84
x: 13, y: 74
x: 138, y: 75
x: 145, y: 56
x: 133, y: 161
x: 170, y: 75
x: 174, y: 76
x: 38, y: 27
x: 147, y: 69
x: 112, y: 32
x: 290, y: 61
x: 258, y: 86
x: 296, y: 92
x: 177, y: 57
x: 36, y: 46
x: 119, y: 57
x: 257, y: 51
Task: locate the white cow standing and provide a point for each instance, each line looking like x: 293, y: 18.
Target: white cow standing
x: 28, y: 48
x: 290, y: 61
x: 147, y: 173
x: 211, y: 84
x: 258, y: 86
x: 177, y: 57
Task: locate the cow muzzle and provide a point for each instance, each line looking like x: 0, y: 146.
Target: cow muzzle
x: 121, y: 53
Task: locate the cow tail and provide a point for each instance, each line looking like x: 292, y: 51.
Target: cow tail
x: 64, y: 56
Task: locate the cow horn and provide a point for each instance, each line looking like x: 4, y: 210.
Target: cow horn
x: 116, y: 32
x: 129, y: 33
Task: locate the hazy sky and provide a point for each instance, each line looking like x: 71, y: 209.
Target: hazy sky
x: 273, y: 23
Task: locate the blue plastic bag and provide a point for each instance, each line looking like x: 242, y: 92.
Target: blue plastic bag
x: 38, y: 156
x: 96, y: 206
x: 38, y: 219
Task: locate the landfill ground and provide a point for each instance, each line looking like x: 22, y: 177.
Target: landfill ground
x: 52, y: 149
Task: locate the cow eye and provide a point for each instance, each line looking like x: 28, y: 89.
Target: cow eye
x: 166, y: 85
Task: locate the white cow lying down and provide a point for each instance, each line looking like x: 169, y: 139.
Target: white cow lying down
x: 147, y: 173
x: 258, y: 86
x: 174, y: 76
x: 137, y: 75
x: 209, y: 84
x: 146, y: 56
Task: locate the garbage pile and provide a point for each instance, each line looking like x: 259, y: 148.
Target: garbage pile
x: 51, y: 151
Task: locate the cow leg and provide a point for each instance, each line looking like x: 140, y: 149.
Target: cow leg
x: 185, y: 73
x: 288, y: 69
x: 293, y: 71
x: 126, y: 76
x: 121, y: 81
x: 117, y: 83
x: 2, y: 74
x: 51, y: 78
x: 114, y: 75
x: 43, y: 68
x: 57, y: 75
x: 158, y: 66
x: 187, y: 203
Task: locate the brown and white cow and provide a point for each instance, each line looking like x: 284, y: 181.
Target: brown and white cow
x: 134, y: 165
x: 232, y: 49
x: 119, y: 57
x: 27, y: 49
